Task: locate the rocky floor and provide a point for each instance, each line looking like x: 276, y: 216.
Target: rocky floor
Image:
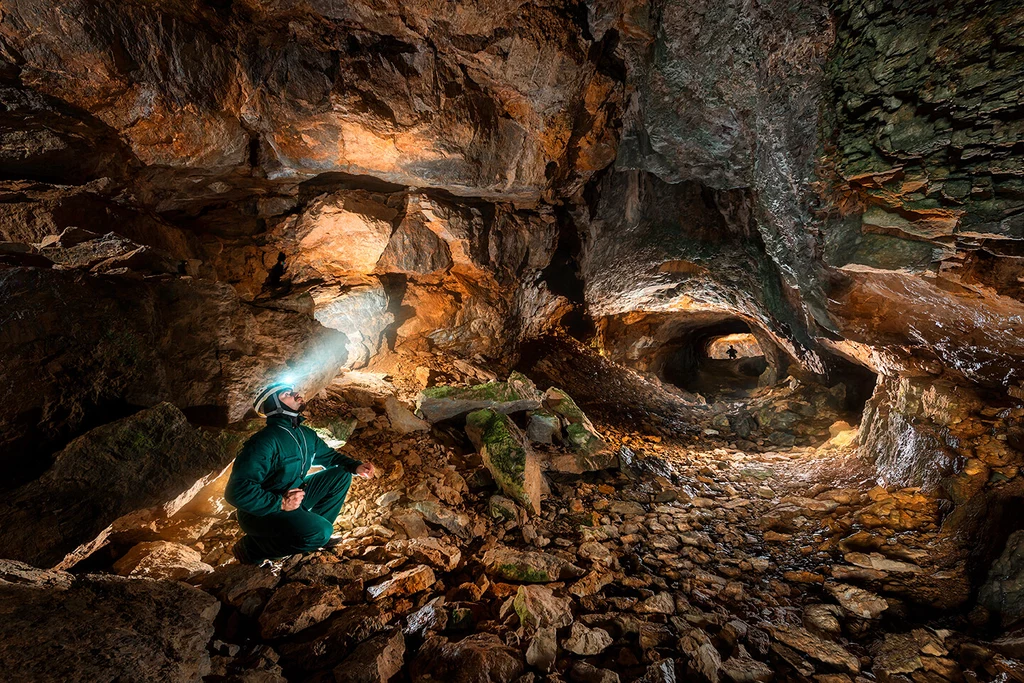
x: 703, y: 556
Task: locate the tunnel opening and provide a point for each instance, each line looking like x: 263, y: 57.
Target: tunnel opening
x: 721, y: 361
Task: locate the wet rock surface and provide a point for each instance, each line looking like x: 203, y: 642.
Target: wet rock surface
x: 691, y: 558
x: 536, y: 218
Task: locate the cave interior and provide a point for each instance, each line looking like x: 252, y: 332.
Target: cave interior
x: 685, y: 338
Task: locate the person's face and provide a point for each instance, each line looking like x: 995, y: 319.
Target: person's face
x: 292, y: 399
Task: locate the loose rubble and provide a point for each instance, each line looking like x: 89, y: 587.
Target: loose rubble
x: 689, y: 558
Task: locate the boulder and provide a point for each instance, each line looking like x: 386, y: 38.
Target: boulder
x: 162, y: 560
x: 325, y: 645
x: 441, y: 554
x: 542, y: 651
x: 506, y: 454
x: 583, y: 672
x: 457, y: 523
x: 857, y: 601
x: 586, y: 641
x: 478, y: 658
x: 296, y: 606
x: 151, y: 459
x: 746, y: 669
x: 446, y: 402
x: 402, y: 419
x: 105, y: 628
x: 375, y: 661
x: 543, y: 427
x: 538, y: 607
x: 528, y: 566
x: 242, y: 586
x: 581, y: 436
x: 339, y: 572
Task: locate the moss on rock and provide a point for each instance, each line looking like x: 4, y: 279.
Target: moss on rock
x: 505, y: 453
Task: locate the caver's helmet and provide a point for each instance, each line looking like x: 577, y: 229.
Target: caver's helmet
x: 268, y: 402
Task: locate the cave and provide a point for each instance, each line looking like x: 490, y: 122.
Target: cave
x: 701, y: 362
x: 505, y: 342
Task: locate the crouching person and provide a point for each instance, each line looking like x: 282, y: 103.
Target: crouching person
x: 282, y: 509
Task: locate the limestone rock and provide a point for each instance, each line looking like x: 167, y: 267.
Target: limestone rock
x: 543, y: 427
x: 19, y: 573
x: 339, y: 572
x: 897, y: 653
x: 105, y: 628
x: 581, y: 435
x: 478, y: 658
x: 325, y: 645
x: 816, y: 648
x: 507, y: 455
x: 857, y: 601
x: 746, y: 669
x: 443, y: 555
x: 538, y: 607
x: 401, y: 418
x: 151, y: 459
x: 457, y: 523
x: 446, y: 402
x: 245, y: 587
x: 162, y: 560
x: 543, y: 649
x: 582, y: 672
x: 377, y: 660
x: 528, y: 566
x: 296, y: 606
x: 586, y: 641
x: 403, y: 583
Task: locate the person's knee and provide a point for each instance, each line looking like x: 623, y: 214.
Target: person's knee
x: 318, y: 536
x: 342, y: 479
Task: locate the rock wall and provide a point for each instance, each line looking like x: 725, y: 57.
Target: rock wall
x: 408, y: 177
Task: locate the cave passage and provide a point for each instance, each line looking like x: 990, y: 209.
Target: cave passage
x: 700, y: 361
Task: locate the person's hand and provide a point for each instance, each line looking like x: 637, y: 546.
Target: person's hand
x: 292, y: 500
x: 366, y: 470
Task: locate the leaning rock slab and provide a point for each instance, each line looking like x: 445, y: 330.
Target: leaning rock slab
x: 162, y: 560
x: 582, y: 437
x: 402, y: 419
x: 153, y: 458
x: 857, y: 601
x: 508, y: 457
x: 446, y: 402
x: 106, y: 628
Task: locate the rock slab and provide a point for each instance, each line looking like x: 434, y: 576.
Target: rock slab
x: 507, y: 455
x: 106, y: 628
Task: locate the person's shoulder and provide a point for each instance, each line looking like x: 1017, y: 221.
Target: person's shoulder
x: 264, y: 436
x: 308, y: 431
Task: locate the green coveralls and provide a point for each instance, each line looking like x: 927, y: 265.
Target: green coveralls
x: 273, y: 461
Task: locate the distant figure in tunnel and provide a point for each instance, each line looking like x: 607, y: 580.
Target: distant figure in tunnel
x: 732, y: 352
x: 282, y: 509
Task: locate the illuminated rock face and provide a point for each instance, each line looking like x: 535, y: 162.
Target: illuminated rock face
x: 414, y: 177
